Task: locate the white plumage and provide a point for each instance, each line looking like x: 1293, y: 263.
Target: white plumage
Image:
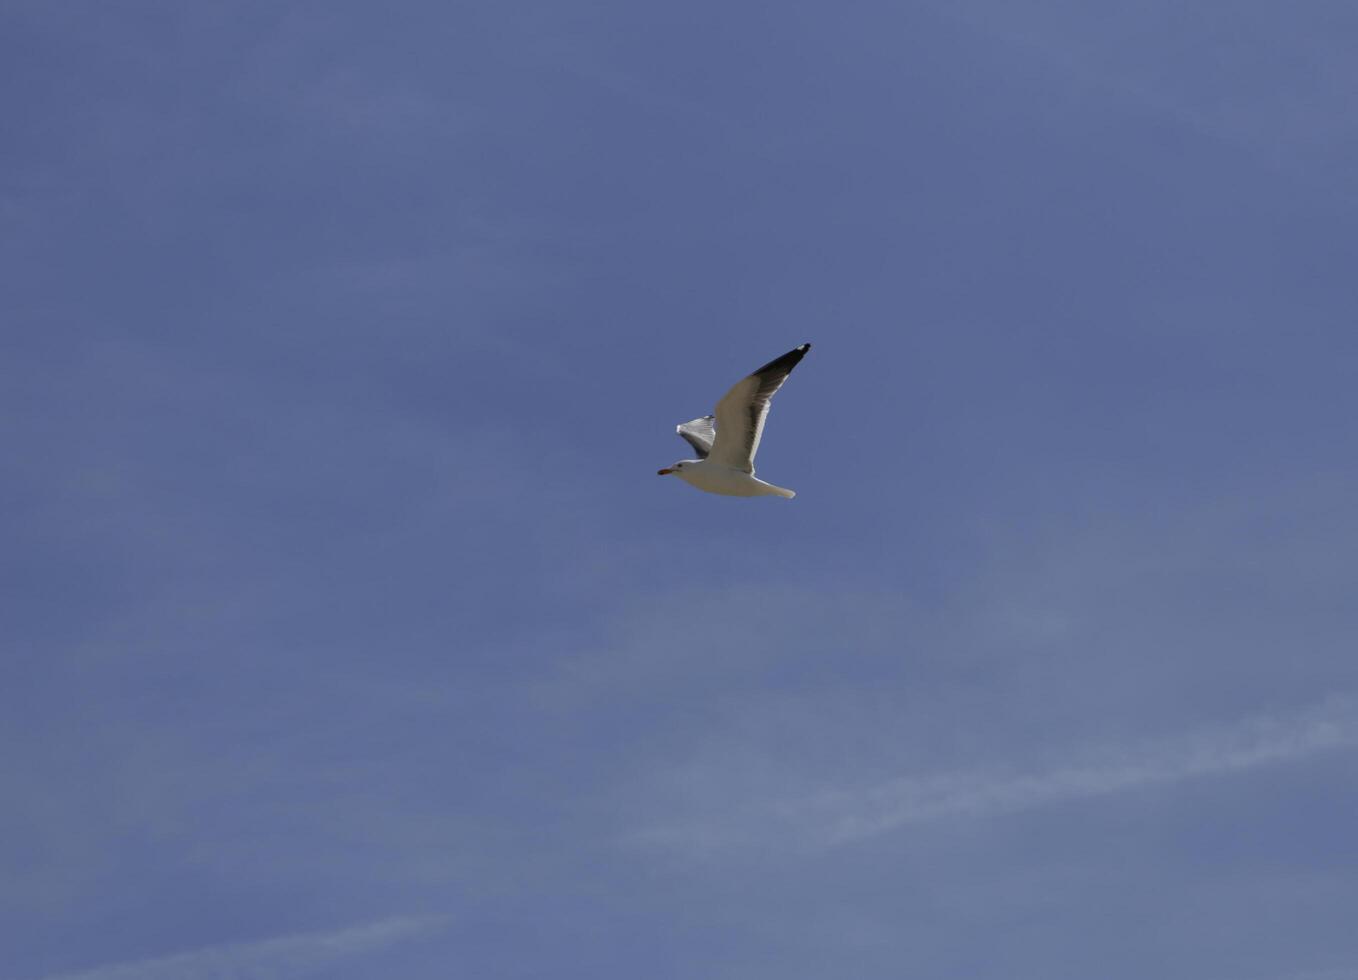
x: 727, y: 441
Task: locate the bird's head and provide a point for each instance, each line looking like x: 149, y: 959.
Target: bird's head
x: 673, y: 468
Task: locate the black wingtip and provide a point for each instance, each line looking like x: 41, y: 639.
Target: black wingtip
x: 785, y: 363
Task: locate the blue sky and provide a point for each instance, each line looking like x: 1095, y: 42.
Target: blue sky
x: 349, y: 632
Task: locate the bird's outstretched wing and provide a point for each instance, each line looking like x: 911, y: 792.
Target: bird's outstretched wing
x: 742, y: 411
x: 700, y: 434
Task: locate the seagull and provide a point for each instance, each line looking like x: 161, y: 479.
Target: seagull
x: 726, y: 442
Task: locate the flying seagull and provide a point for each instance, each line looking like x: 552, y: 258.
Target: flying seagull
x: 726, y: 442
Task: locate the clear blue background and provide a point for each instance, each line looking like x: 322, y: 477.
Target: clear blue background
x: 348, y: 631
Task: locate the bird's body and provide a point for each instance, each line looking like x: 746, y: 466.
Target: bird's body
x: 726, y: 480
x: 727, y: 441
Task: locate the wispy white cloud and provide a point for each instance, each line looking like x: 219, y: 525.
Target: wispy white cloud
x: 285, y: 956
x: 1276, y: 86
x: 840, y: 816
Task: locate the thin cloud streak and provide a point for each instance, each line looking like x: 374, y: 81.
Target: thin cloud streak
x: 1065, y: 54
x: 286, y: 956
x: 839, y: 817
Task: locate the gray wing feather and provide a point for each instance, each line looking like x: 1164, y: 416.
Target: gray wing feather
x: 700, y: 434
x: 742, y: 411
